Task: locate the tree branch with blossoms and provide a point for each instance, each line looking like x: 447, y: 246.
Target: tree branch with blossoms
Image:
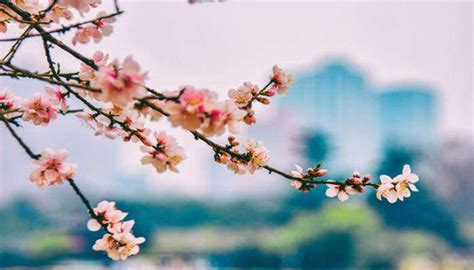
x: 119, y: 105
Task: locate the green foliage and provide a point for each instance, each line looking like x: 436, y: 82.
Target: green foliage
x: 49, y: 244
x: 334, y: 217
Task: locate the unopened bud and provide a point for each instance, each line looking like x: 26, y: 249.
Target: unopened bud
x: 317, y: 172
x: 359, y: 189
x: 321, y: 173
x: 147, y: 142
x: 356, y: 174
x: 250, y: 119
x: 356, y: 181
x: 263, y: 100
x: 269, y: 93
x: 366, y: 178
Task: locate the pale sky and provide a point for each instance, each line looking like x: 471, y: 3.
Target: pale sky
x: 220, y: 45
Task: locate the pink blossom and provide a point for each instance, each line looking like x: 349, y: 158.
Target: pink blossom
x: 199, y: 109
x: 3, y: 26
x: 399, y: 187
x: 87, y: 73
x: 51, y: 169
x: 386, y: 189
x: 39, y: 110
x: 89, y: 118
x: 57, y: 97
x: 165, y: 154
x: 220, y: 116
x: 30, y: 6
x: 8, y: 103
x: 405, y: 182
x: 342, y: 192
x: 281, y: 80
x: 250, y: 119
x: 243, y: 94
x: 120, y: 246
x: 95, y: 31
x: 148, y: 111
x: 82, y: 6
x: 259, y: 155
x: 132, y: 119
x: 298, y: 173
x: 233, y: 164
x: 120, y: 83
x: 104, y: 128
x: 57, y: 12
x: 190, y: 110
x: 108, y: 215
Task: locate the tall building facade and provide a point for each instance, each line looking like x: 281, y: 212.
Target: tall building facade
x: 336, y: 98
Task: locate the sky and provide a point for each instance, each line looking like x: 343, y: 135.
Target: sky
x: 221, y: 45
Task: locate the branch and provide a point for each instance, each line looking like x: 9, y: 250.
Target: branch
x: 64, y: 28
x: 71, y: 181
x: 47, y: 37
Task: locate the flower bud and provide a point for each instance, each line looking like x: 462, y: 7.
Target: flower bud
x: 355, y: 181
x: 147, y: 142
x: 250, y: 119
x: 269, y: 93
x: 317, y: 172
x: 358, y: 188
x: 356, y: 174
x: 366, y: 178
x: 263, y: 100
x: 321, y: 173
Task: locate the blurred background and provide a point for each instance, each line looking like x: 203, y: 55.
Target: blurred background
x: 378, y: 85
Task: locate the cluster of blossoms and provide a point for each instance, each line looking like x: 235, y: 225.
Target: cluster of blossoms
x: 399, y: 187
x: 394, y: 189
x: 191, y: 108
x: 198, y: 109
x: 40, y: 109
x: 255, y: 156
x: 96, y: 30
x: 9, y: 104
x: 7, y: 15
x: 246, y: 94
x: 59, y: 11
x: 51, y: 169
x: 118, y: 242
x: 351, y: 186
x: 281, y: 80
x: 311, y: 173
x: 122, y: 87
x: 105, y: 126
x: 126, y: 106
x: 119, y: 83
x: 164, y: 154
x: 82, y: 6
x: 62, y: 9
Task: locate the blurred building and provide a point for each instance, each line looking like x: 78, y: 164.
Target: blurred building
x: 407, y: 116
x: 337, y: 98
